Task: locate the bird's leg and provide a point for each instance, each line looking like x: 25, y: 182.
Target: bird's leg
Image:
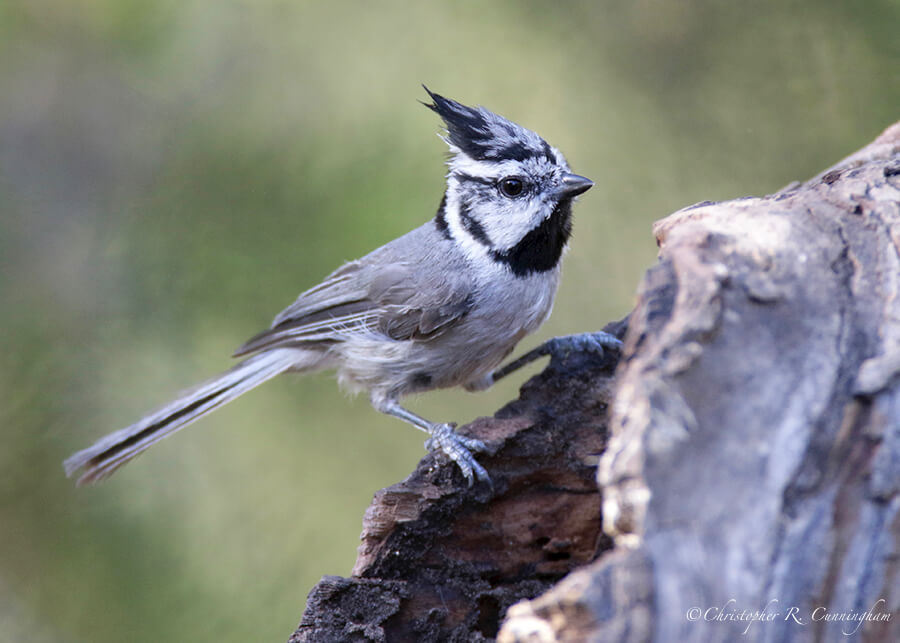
x: 443, y: 438
x: 560, y: 347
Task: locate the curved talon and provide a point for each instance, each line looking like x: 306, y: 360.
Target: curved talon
x: 457, y: 448
x: 472, y: 444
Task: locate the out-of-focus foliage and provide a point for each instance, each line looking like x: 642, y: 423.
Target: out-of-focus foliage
x: 172, y: 174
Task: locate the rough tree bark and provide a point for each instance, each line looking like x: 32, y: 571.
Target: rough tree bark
x: 440, y: 561
x: 749, y: 485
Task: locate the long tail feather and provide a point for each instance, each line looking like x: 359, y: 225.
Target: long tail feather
x: 101, y: 460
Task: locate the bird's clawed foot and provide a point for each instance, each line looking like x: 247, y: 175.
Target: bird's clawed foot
x: 559, y: 348
x: 459, y: 449
x: 596, y: 342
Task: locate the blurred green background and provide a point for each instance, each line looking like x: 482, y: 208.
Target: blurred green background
x: 173, y: 173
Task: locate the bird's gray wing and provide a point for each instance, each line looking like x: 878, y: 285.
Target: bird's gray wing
x: 397, y: 299
x: 423, y: 303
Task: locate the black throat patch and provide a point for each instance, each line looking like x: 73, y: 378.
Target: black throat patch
x: 540, y: 249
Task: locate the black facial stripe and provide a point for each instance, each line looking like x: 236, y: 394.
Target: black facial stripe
x: 440, y: 219
x: 462, y: 177
x: 472, y: 226
x: 540, y: 249
x: 548, y: 153
x: 517, y: 152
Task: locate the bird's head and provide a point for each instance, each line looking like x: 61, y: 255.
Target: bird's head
x: 509, y: 193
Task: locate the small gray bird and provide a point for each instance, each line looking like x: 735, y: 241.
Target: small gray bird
x: 440, y: 306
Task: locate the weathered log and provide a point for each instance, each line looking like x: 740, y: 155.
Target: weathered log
x: 752, y: 480
x: 750, y: 487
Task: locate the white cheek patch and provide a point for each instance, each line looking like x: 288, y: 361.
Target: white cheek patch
x: 502, y: 220
x: 509, y: 224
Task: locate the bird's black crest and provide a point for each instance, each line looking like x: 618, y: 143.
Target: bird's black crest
x: 486, y: 136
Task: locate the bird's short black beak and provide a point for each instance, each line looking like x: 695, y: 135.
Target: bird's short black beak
x: 573, y: 185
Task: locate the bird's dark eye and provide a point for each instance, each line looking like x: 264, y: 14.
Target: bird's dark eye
x: 512, y: 186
